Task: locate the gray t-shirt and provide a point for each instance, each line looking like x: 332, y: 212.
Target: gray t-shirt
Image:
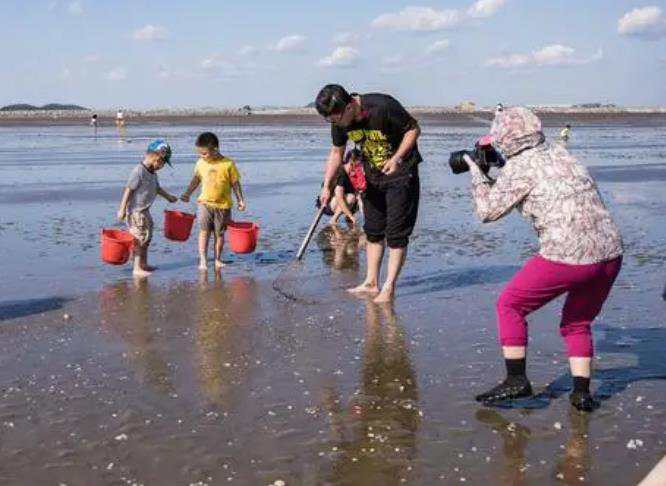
x: 144, y: 185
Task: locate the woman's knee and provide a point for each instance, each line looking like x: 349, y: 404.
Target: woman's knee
x: 505, y: 302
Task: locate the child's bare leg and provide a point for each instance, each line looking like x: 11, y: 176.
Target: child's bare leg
x: 219, y: 245
x: 139, y: 259
x: 203, y: 249
x: 144, y: 260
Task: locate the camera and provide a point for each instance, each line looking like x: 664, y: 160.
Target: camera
x: 484, y: 154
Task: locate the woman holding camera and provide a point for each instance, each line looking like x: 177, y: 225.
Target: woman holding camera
x: 580, y: 248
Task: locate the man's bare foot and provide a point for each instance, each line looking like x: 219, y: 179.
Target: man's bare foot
x: 385, y: 296
x: 140, y: 272
x: 203, y: 265
x: 219, y: 264
x: 364, y: 288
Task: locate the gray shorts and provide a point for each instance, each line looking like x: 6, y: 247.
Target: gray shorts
x: 213, y: 219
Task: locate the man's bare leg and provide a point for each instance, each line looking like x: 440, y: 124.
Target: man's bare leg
x: 396, y: 261
x: 375, y: 253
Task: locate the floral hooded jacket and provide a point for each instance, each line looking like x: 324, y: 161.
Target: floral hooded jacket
x: 549, y: 187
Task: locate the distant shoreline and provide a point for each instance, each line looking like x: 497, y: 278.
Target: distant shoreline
x: 307, y: 116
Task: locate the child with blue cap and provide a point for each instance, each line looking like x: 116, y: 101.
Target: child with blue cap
x: 140, y: 192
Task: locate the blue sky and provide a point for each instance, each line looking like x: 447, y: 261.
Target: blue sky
x: 144, y: 54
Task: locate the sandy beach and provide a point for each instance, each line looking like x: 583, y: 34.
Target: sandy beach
x: 271, y: 371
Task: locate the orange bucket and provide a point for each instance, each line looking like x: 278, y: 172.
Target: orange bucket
x: 116, y: 246
x: 243, y: 236
x: 177, y: 225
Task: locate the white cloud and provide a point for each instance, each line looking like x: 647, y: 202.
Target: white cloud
x: 438, y: 47
x: 552, y: 55
x: 92, y: 57
x: 163, y: 72
x: 647, y: 23
x: 290, y: 43
x: 75, y: 8
x: 419, y: 18
x: 393, y: 63
x: 65, y: 74
x: 346, y: 38
x: 485, y: 8
x: 116, y: 74
x: 223, y: 68
x: 150, y: 33
x: 427, y: 19
x: 248, y: 51
x: 344, y: 56
x: 214, y: 61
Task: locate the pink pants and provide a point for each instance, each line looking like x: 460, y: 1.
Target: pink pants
x: 539, y: 282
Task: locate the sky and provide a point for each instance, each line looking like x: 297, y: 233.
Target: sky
x: 211, y: 53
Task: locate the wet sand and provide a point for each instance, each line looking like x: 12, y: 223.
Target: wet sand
x: 190, y: 379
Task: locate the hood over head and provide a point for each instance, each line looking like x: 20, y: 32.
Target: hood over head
x: 516, y: 129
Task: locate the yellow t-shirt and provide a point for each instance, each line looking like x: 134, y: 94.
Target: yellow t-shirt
x: 217, y: 177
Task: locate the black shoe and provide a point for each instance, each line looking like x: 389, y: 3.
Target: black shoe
x: 583, y: 401
x: 512, y: 387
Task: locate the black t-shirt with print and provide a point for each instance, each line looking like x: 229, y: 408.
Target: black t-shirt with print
x: 379, y: 134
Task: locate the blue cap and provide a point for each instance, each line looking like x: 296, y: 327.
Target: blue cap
x: 159, y: 146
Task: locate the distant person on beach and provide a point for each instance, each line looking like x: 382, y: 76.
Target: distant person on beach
x: 94, y: 123
x: 218, y: 176
x: 386, y: 134
x: 345, y: 200
x: 140, y: 193
x: 580, y: 248
x: 120, y: 123
x: 565, y: 134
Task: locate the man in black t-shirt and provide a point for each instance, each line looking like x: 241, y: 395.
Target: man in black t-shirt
x: 386, y: 135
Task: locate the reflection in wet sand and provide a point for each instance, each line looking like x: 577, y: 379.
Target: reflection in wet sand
x: 130, y: 311
x: 340, y: 248
x: 376, y: 438
x: 515, y: 438
x: 223, y: 314
x: 574, y: 465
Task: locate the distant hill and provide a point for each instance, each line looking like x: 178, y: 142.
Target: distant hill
x: 48, y: 107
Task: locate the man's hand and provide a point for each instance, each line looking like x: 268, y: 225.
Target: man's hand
x: 241, y: 205
x: 185, y: 197
x: 390, y: 166
x: 325, y: 195
x: 121, y: 215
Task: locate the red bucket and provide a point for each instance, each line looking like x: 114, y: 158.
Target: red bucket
x: 243, y: 236
x: 116, y: 246
x: 177, y: 225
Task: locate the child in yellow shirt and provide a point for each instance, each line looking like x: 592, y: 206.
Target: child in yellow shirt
x: 217, y: 175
